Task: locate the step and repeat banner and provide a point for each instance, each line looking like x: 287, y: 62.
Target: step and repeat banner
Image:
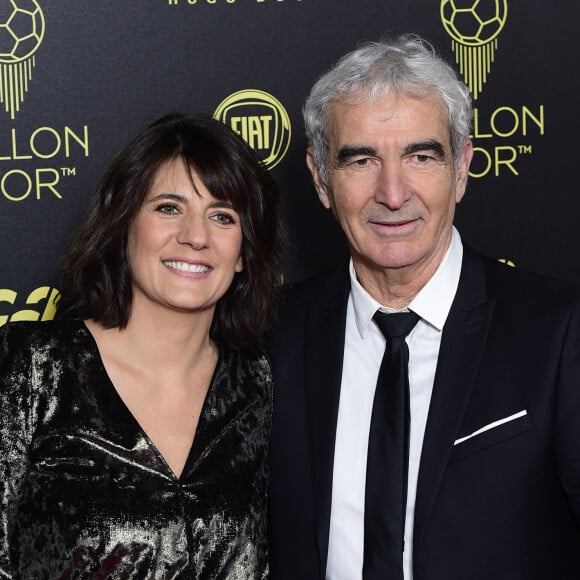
x: 79, y: 79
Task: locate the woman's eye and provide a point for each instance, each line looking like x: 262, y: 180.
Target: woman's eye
x: 223, y: 219
x: 167, y: 209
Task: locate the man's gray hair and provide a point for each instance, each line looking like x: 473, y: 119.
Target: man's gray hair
x: 408, y: 66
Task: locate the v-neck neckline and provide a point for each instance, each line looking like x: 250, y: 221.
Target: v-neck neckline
x: 201, y: 424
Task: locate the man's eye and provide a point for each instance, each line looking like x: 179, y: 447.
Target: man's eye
x: 361, y: 162
x: 422, y: 158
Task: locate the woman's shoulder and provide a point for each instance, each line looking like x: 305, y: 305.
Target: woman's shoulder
x: 255, y: 357
x: 37, y: 336
x: 253, y: 364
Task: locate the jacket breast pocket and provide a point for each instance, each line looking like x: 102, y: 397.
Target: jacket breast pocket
x: 492, y: 434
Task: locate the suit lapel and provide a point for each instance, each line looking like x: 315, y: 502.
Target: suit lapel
x: 462, y: 346
x: 324, y: 355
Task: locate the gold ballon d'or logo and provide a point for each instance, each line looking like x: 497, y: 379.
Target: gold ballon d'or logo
x: 21, y: 33
x: 261, y: 120
x: 474, y: 26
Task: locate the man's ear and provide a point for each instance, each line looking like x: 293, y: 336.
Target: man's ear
x: 319, y: 183
x: 463, y: 171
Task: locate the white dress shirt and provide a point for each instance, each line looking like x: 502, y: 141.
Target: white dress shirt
x: 364, y: 347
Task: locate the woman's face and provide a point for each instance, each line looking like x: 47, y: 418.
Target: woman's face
x: 184, y: 245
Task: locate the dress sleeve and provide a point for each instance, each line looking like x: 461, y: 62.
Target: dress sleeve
x: 15, y: 430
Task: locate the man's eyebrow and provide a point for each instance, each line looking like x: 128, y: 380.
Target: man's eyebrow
x: 349, y: 151
x: 429, y: 145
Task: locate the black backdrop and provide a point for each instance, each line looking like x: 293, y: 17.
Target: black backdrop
x: 78, y: 79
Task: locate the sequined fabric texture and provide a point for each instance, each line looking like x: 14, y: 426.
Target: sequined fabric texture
x: 85, y: 494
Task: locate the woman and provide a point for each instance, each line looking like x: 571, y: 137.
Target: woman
x: 134, y: 429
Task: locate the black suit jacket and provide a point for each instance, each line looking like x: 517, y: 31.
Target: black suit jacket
x: 504, y: 503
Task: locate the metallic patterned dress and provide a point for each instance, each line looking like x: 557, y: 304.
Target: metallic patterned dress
x: 84, y: 494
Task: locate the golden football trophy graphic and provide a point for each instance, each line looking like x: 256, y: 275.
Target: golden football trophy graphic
x: 21, y: 33
x: 474, y: 26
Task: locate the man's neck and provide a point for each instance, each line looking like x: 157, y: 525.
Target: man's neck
x: 396, y: 287
x: 392, y: 293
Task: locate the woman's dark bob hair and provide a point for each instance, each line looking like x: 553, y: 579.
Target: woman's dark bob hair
x: 97, y: 281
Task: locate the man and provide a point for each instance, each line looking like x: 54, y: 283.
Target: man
x: 491, y: 483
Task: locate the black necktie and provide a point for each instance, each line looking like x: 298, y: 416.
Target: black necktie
x: 388, y: 454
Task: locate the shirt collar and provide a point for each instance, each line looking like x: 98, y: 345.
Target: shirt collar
x: 433, y: 301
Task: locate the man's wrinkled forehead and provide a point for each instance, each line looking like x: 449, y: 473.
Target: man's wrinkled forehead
x: 340, y: 115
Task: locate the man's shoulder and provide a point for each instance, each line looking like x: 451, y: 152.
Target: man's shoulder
x: 330, y: 284
x: 506, y: 282
x: 300, y: 298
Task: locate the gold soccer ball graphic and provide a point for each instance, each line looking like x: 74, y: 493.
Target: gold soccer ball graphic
x: 473, y: 22
x: 21, y: 29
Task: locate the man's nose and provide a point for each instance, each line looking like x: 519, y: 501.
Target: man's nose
x: 391, y: 188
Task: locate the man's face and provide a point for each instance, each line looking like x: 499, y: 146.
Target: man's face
x: 392, y: 184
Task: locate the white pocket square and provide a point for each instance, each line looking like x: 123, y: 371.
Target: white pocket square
x: 492, y: 426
